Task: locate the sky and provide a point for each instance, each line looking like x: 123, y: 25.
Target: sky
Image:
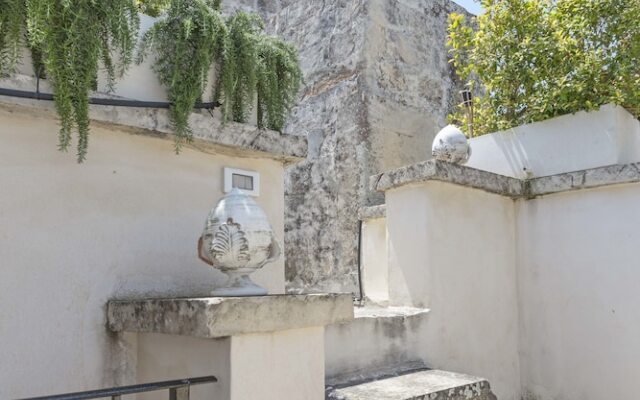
x: 471, y: 5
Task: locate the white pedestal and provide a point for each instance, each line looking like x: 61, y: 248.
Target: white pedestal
x: 268, y: 347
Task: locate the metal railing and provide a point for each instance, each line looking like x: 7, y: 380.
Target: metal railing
x: 178, y: 390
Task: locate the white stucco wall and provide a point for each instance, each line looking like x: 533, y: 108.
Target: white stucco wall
x: 261, y: 365
x: 124, y: 224
x: 375, y: 271
x: 452, y: 250
x: 579, y: 301
x: 568, y: 143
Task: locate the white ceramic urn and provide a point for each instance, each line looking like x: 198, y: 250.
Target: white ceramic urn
x: 451, y: 145
x: 237, y: 240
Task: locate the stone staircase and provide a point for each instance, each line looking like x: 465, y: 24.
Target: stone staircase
x: 379, y: 356
x: 380, y: 341
x: 416, y: 385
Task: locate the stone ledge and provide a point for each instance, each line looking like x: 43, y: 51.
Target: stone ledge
x: 216, y: 317
x: 585, y: 179
x: 433, y: 170
x: 372, y: 212
x: 389, y: 312
x: 208, y: 131
x: 420, y: 385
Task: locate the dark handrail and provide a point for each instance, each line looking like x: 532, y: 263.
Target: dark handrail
x: 25, y: 94
x: 116, y: 392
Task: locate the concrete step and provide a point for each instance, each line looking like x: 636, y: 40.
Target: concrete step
x: 379, y: 341
x: 417, y: 385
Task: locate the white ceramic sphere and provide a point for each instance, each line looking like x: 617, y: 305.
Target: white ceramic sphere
x: 451, y: 145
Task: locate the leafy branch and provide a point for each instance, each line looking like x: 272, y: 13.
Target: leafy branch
x: 537, y: 59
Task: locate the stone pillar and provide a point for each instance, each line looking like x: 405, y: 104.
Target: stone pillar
x: 451, y: 241
x: 267, y: 347
x: 280, y: 365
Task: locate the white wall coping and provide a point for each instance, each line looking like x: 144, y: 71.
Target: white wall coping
x: 433, y: 170
x: 215, y: 317
x: 572, y: 142
x: 208, y: 130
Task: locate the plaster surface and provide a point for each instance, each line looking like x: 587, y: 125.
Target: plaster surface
x: 542, y: 277
x: 123, y: 225
x: 281, y: 365
x: 215, y: 317
x: 165, y: 357
x: 270, y: 366
x: 578, y: 272
x: 378, y: 342
x: 374, y: 263
x: 574, y: 142
x: 452, y: 250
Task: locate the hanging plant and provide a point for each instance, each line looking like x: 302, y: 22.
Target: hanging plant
x: 70, y: 39
x: 238, y: 76
x: 185, y: 43
x: 76, y: 36
x: 257, y: 68
x: 153, y: 8
x: 279, y: 79
x: 252, y: 67
x: 37, y: 62
x: 12, y: 22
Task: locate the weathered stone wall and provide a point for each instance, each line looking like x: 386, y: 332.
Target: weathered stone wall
x: 377, y: 88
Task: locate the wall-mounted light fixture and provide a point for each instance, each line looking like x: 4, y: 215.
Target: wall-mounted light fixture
x: 247, y: 181
x: 467, y: 103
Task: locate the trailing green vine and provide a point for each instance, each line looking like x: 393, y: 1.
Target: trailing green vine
x: 279, y: 79
x: 252, y: 68
x: 185, y: 43
x: 153, y: 8
x: 12, y: 22
x: 75, y: 37
x: 70, y: 40
x: 238, y: 78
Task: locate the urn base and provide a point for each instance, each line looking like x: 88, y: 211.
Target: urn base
x: 239, y: 285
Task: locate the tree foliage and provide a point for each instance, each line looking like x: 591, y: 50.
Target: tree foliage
x: 536, y: 59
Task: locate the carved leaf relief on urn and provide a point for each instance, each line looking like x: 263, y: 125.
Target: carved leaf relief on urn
x: 230, y: 246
